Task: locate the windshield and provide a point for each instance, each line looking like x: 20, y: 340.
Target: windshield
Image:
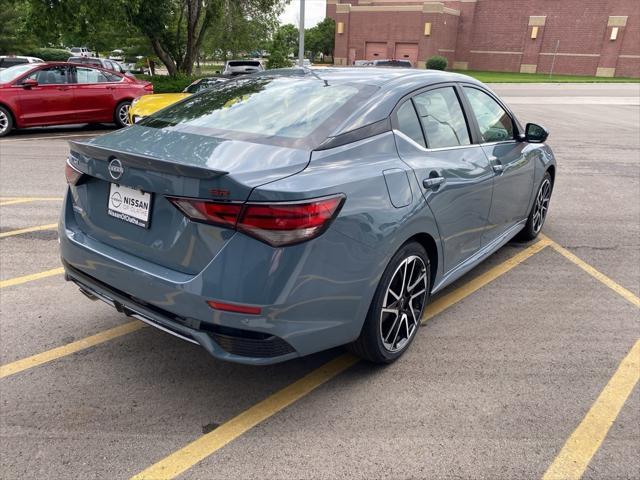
x: 262, y: 107
x: 12, y: 73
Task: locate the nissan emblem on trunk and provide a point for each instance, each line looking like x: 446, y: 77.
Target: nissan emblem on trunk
x: 115, y: 169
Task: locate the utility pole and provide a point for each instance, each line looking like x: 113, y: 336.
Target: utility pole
x: 301, y: 36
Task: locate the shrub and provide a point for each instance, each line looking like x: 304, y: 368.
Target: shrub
x: 167, y: 84
x: 437, y: 63
x: 50, y: 54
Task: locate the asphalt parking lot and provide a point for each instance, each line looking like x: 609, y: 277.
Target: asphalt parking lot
x: 518, y: 371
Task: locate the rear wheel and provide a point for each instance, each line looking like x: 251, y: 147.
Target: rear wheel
x: 539, y: 210
x: 395, y: 312
x: 121, y: 115
x: 6, y: 122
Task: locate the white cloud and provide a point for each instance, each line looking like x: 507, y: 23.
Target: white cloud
x: 314, y: 12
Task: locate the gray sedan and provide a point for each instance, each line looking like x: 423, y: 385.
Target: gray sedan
x: 288, y: 212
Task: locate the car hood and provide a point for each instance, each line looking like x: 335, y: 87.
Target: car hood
x: 148, y: 104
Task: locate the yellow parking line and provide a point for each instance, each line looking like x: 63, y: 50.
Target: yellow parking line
x: 39, y: 228
x: 206, y: 445
x: 468, y: 288
x: 15, y: 201
x: 29, y: 278
x: 73, y: 347
x: 619, y: 289
x: 584, y: 442
x: 199, y: 449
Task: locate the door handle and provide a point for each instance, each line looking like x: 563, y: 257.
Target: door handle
x: 432, y: 182
x: 63, y: 88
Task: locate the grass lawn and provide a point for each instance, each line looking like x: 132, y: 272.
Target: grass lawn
x: 512, y: 77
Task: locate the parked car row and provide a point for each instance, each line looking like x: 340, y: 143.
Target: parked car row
x: 61, y: 93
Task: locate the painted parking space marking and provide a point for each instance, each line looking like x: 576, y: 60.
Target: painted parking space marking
x: 196, y: 451
x: 584, y: 442
x: 30, y: 278
x: 49, y: 137
x: 17, y: 200
x: 619, y: 289
x: 73, y: 347
x: 39, y: 228
x: 206, y: 445
x: 468, y: 288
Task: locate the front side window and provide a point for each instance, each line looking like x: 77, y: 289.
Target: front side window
x: 51, y: 76
x: 494, y: 123
x: 90, y: 75
x: 442, y: 119
x: 409, y: 124
x: 280, y: 107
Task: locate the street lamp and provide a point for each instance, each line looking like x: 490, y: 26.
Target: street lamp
x: 301, y: 36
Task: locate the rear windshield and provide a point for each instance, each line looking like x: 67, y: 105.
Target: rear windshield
x: 12, y: 61
x: 281, y: 110
x: 244, y: 63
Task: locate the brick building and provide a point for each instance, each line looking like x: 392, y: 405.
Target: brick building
x: 579, y: 37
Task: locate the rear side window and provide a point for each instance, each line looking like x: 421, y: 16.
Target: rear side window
x: 90, y: 75
x: 494, y: 123
x: 10, y: 62
x: 442, y: 119
x: 272, y: 107
x: 409, y: 124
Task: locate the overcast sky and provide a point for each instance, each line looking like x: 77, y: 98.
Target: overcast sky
x: 314, y: 12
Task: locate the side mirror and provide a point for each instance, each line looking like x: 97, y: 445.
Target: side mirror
x: 535, y: 133
x: 29, y: 82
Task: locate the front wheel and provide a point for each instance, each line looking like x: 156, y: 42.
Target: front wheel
x: 6, y: 122
x: 539, y: 210
x: 396, y: 309
x: 121, y: 115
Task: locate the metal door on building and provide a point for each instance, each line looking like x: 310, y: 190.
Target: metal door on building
x: 407, y: 51
x: 376, y: 51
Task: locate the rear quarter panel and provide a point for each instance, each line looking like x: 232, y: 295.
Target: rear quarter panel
x: 366, y: 233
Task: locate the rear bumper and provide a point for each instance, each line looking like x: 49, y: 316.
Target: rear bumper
x: 313, y: 296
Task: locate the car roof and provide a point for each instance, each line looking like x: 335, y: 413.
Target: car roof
x: 393, y: 83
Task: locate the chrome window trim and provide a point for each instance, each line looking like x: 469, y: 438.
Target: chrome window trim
x: 440, y: 149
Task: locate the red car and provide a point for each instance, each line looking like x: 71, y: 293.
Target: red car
x: 33, y: 95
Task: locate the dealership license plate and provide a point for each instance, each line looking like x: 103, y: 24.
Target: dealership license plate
x: 129, y: 205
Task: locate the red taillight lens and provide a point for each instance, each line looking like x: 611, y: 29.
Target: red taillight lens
x: 287, y: 223
x: 73, y: 175
x: 149, y: 87
x: 274, y: 223
x: 224, y: 214
x: 232, y: 307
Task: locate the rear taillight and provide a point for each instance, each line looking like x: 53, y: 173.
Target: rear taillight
x: 278, y: 224
x: 73, y: 175
x: 149, y: 87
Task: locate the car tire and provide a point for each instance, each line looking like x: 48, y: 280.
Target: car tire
x: 386, y: 335
x: 6, y: 122
x: 539, y: 210
x: 121, y: 114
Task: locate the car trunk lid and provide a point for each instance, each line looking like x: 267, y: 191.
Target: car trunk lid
x: 170, y: 163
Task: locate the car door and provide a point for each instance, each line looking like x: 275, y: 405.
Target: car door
x: 94, y: 95
x: 507, y: 154
x: 50, y: 102
x: 433, y: 137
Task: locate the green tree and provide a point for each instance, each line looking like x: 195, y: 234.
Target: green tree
x: 174, y: 29
x: 290, y: 36
x: 321, y: 38
x: 277, y: 53
x: 15, y: 35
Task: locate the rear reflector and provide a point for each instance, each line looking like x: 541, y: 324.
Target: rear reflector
x: 73, y: 175
x: 278, y: 224
x: 230, y: 307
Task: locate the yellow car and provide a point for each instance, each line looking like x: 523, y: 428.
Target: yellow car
x: 148, y: 104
